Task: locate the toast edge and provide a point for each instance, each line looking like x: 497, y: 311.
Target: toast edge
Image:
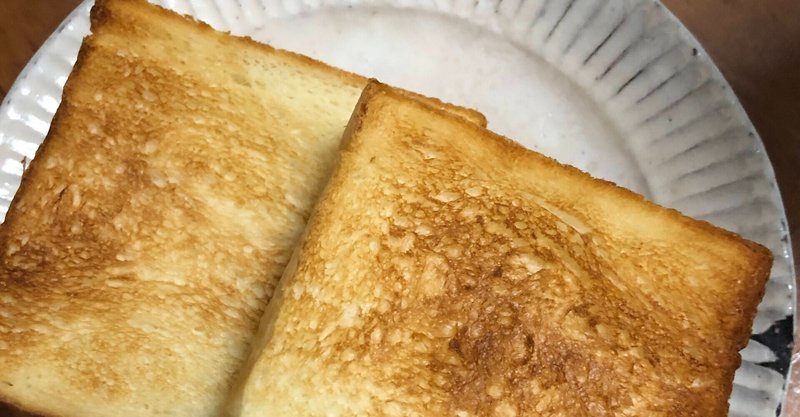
x: 29, y: 174
x: 29, y: 177
x: 101, y: 14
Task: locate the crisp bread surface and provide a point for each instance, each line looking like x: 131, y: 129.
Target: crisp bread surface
x: 152, y: 226
x: 448, y: 271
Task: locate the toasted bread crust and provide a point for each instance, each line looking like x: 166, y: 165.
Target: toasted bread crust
x: 102, y: 14
x: 155, y: 220
x: 756, y: 255
x: 465, y: 275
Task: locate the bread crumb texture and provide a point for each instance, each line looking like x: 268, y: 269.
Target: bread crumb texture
x: 448, y: 272
x: 157, y: 217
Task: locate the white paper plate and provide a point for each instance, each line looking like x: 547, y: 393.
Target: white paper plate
x: 618, y: 88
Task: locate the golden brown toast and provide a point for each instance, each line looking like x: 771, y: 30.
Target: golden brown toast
x: 447, y: 271
x: 152, y: 226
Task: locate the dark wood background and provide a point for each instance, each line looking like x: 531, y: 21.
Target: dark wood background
x: 756, y: 45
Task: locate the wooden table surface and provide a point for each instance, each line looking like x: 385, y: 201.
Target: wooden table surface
x: 756, y: 44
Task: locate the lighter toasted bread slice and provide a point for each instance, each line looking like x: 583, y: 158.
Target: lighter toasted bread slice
x: 156, y: 218
x: 447, y: 271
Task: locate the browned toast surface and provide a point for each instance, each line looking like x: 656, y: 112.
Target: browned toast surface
x: 447, y: 271
x: 153, y: 224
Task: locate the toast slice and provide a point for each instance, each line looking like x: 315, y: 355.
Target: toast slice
x: 447, y: 271
x: 152, y: 226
